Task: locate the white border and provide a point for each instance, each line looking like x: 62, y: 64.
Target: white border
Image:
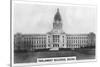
x: 43, y: 3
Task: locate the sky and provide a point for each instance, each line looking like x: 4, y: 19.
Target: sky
x: 37, y: 18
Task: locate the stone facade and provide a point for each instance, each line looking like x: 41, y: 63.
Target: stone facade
x: 54, y: 39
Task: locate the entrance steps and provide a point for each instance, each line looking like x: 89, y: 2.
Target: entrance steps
x: 54, y: 49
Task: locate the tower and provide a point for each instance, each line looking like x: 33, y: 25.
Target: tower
x: 57, y: 23
x: 56, y: 36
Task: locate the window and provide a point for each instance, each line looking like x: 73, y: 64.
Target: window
x: 63, y: 40
x: 76, y: 41
x: 48, y: 36
x: 42, y: 42
x: 37, y: 46
x: 49, y: 45
x: 44, y: 45
x: 55, y: 38
x: 55, y: 45
x: 48, y: 40
x: 63, y: 36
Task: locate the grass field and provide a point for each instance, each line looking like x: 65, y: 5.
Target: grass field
x: 27, y: 57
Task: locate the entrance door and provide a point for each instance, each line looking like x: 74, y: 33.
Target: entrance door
x: 55, y: 45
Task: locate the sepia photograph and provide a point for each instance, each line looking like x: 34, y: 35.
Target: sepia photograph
x: 52, y: 33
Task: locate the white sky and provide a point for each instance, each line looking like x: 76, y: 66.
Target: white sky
x: 35, y: 18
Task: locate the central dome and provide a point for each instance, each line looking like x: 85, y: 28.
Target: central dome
x: 57, y: 16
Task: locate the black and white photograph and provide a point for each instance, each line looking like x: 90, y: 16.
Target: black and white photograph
x: 53, y: 33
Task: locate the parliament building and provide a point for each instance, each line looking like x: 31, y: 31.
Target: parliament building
x: 53, y: 40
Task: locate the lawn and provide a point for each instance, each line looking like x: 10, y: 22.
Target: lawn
x: 27, y: 57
